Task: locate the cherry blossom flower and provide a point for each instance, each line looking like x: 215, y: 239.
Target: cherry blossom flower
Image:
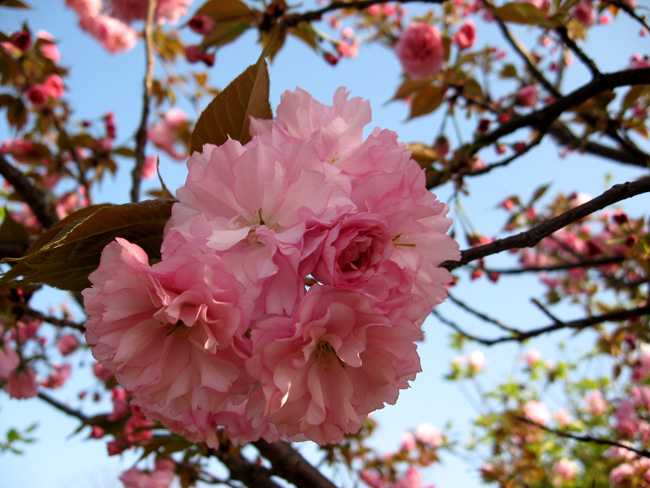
x: 420, y: 50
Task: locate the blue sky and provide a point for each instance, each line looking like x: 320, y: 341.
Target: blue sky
x: 100, y: 82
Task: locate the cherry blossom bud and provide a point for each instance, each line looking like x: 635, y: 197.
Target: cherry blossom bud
x: 67, y: 344
x: 201, y: 24
x: 527, y: 96
x: 466, y: 35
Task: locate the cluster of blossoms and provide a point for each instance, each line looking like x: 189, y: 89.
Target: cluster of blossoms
x: 296, y: 272
x: 21, y: 349
x: 109, y: 21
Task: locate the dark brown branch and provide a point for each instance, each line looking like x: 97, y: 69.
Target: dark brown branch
x: 590, y: 263
x: 525, y: 57
x: 565, y: 137
x: 484, y: 317
x: 33, y: 196
x: 290, y: 465
x: 557, y: 325
x: 291, y: 20
x: 585, y: 438
x: 577, y: 50
x: 141, y: 134
x: 242, y: 469
x: 630, y: 11
x: 81, y: 173
x: 543, y: 118
x: 437, y: 179
x: 54, y: 320
x: 542, y: 308
x: 532, y: 236
x: 62, y: 407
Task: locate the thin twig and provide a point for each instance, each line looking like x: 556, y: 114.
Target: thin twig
x: 523, y: 335
x: 591, y: 263
x: 54, y: 320
x: 585, y: 438
x: 141, y: 134
x: 62, y: 407
x: 522, y: 52
x: 577, y: 50
x: 543, y: 118
x: 481, y: 315
x: 565, y: 136
x: 291, y: 20
x: 546, y: 311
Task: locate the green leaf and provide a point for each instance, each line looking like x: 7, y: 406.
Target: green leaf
x: 228, y: 115
x: 427, y: 100
x: 69, y: 251
x: 522, y: 13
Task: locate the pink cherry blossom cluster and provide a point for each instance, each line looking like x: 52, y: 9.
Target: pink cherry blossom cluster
x: 21, y: 349
x: 161, y: 477
x: 109, y: 21
x: 296, y: 272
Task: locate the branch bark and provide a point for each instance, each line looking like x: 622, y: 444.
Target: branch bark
x: 33, y: 196
x: 291, y: 20
x: 141, y: 134
x: 290, y: 465
x: 579, y: 324
x: 543, y: 118
x: 586, y: 438
x: 532, y: 236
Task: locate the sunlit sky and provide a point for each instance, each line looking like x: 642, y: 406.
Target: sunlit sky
x: 100, y: 82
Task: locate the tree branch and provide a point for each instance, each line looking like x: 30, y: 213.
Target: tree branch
x: 33, y: 196
x: 62, y: 407
x: 589, y: 263
x: 241, y: 469
x: 585, y: 438
x: 579, y: 324
x: 141, y: 134
x: 291, y: 20
x: 564, y: 136
x: 543, y: 118
x: 577, y: 50
x: 290, y: 465
x: 54, y: 320
x: 532, y: 236
x: 525, y: 57
x: 484, y: 317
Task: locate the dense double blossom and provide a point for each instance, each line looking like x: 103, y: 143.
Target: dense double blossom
x: 296, y: 272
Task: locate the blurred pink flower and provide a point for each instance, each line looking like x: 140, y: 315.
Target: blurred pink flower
x: 420, y: 50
